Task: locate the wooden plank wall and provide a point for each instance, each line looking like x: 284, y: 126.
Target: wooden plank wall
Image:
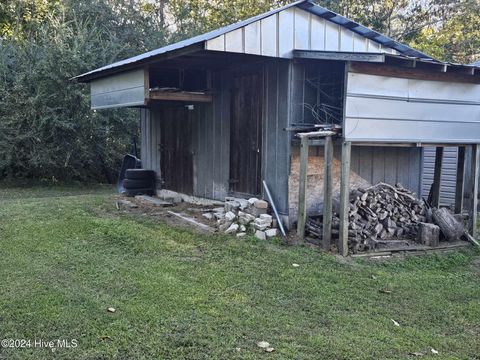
x: 211, y: 136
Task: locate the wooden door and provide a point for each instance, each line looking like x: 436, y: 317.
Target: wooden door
x: 246, y: 134
x: 176, y: 159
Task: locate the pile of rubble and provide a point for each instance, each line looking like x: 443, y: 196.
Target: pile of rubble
x: 241, y: 216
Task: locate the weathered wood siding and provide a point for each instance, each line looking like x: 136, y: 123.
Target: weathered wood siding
x: 211, y: 136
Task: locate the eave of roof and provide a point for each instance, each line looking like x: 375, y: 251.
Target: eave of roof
x: 306, y: 5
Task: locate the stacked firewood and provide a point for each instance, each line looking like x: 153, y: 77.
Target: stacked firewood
x: 377, y: 214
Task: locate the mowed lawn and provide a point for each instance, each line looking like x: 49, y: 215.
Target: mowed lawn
x: 67, y: 255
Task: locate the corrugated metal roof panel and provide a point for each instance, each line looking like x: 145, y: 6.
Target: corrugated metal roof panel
x: 306, y: 5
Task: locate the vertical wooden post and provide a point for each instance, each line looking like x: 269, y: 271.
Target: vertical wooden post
x: 475, y: 174
x: 344, y: 198
x: 327, y: 193
x: 302, y: 190
x: 437, y: 177
x: 459, y: 186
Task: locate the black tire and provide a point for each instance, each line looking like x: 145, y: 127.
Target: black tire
x: 138, y: 183
x: 139, y: 174
x: 135, y: 192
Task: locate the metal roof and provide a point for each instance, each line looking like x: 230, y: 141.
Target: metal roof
x: 306, y: 5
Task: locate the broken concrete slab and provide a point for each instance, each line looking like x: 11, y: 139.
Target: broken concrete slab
x: 127, y: 203
x: 241, y: 234
x: 191, y: 221
x: 260, y: 235
x: 232, y: 229
x: 208, y: 216
x: 154, y: 201
x: 261, y: 204
x: 271, y: 233
x: 230, y: 216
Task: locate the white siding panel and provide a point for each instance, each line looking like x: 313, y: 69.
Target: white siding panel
x: 286, y: 21
x: 373, y: 85
x: 302, y: 29
x: 234, y: 41
x: 359, y: 43
x: 216, y: 44
x: 253, y: 39
x: 293, y: 28
x: 386, y: 108
x: 269, y: 36
x: 372, y: 46
x: 120, y: 90
x: 434, y: 90
x: 317, y: 34
x: 381, y: 108
x: 332, y: 36
x: 346, y: 40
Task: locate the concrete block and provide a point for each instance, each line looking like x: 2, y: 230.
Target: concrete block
x: 271, y: 233
x: 260, y: 204
x: 260, y: 235
x: 232, y: 229
x: 230, y: 216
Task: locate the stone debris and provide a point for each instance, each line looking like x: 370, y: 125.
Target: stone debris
x: 260, y: 235
x: 230, y: 216
x: 242, y: 217
x: 208, y: 216
x: 232, y: 229
x: 271, y: 233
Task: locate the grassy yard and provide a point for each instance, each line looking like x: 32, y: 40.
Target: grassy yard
x: 67, y: 255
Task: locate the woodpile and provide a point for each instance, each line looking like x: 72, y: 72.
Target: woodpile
x: 377, y: 214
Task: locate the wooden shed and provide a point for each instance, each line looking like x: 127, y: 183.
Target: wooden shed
x: 218, y: 111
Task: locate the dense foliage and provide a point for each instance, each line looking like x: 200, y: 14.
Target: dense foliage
x: 47, y: 130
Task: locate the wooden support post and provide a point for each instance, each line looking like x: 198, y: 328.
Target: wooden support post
x: 344, y: 199
x: 459, y: 186
x: 302, y: 190
x: 475, y: 174
x: 327, y: 193
x: 437, y: 177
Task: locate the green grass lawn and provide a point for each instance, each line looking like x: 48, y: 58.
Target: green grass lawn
x: 179, y: 295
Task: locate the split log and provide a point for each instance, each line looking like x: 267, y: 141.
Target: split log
x: 449, y: 226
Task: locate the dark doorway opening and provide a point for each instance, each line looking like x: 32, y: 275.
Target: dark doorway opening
x: 246, y: 133
x: 176, y: 151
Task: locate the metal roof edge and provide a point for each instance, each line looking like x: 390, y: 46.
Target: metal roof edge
x: 184, y: 43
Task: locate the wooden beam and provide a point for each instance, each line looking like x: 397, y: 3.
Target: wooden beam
x: 302, y: 190
x: 411, y: 73
x: 327, y: 193
x: 437, y: 177
x: 344, y: 198
x: 460, y: 180
x: 180, y: 96
x: 339, y: 56
x: 475, y: 175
